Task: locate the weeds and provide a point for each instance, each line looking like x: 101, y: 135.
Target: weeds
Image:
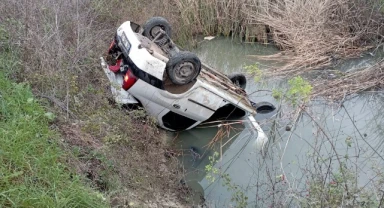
x: 60, y: 43
x: 255, y: 71
x: 298, y: 92
x: 33, y: 168
x: 210, y: 169
x: 238, y: 195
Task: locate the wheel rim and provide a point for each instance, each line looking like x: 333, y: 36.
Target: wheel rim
x: 185, y: 72
x: 155, y: 30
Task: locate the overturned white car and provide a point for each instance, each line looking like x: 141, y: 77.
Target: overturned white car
x: 145, y: 67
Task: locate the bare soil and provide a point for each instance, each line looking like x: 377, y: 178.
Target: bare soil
x: 139, y: 173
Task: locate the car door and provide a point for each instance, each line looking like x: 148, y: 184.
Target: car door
x: 191, y: 110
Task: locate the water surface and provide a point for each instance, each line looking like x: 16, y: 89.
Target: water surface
x: 351, y: 134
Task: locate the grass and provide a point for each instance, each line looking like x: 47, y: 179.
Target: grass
x: 102, y: 142
x: 33, y: 170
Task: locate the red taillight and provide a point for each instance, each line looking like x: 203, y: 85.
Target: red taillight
x: 129, y: 80
x: 116, y: 67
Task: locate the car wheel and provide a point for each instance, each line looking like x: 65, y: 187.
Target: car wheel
x: 238, y: 79
x: 263, y: 107
x: 154, y: 25
x: 183, y: 67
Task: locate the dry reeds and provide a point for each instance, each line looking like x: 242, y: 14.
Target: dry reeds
x: 352, y: 83
x: 210, y: 16
x: 316, y: 32
x: 220, y: 17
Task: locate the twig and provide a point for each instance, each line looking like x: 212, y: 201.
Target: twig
x: 58, y: 103
x: 286, y: 144
x: 362, y: 137
x: 381, y: 200
x: 333, y: 148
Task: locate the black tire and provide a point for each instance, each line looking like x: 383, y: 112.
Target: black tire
x: 263, y: 107
x: 238, y: 79
x: 183, y: 67
x: 152, y: 26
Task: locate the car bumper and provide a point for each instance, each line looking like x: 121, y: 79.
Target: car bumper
x: 119, y: 94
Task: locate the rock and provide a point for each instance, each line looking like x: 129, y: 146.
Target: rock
x: 288, y: 128
x: 163, y: 168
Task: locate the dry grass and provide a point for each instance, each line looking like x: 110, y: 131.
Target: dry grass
x: 317, y: 32
x: 61, y: 42
x: 220, y: 17
x: 352, y: 83
x: 212, y: 17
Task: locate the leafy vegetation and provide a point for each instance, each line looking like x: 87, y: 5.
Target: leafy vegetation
x: 332, y: 193
x: 255, y: 71
x: 238, y: 195
x: 33, y: 170
x: 299, y: 91
x: 210, y: 169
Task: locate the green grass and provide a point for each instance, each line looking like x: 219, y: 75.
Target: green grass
x: 33, y: 172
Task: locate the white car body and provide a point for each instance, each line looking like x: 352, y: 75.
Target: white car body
x: 209, y: 94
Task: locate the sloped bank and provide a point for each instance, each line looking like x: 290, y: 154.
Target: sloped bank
x: 118, y: 152
x: 34, y: 172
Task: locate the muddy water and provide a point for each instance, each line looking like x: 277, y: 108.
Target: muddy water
x: 278, y: 174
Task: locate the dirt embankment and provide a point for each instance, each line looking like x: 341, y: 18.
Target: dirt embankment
x: 118, y: 151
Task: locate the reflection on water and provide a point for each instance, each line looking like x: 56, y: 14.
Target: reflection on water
x: 352, y: 133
